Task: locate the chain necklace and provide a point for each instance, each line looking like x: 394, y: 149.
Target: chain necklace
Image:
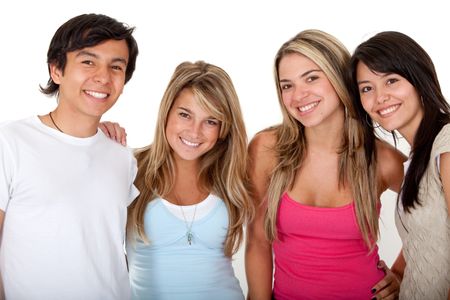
x: 189, y: 235
x: 53, y: 121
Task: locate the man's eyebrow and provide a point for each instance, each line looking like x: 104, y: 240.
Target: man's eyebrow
x: 92, y: 54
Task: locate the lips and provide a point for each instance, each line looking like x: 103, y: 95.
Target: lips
x: 188, y: 143
x: 388, y: 110
x: 308, y: 107
x: 97, y: 95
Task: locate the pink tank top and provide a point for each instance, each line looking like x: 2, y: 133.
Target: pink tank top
x: 320, y: 254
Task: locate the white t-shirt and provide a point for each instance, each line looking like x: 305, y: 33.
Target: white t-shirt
x: 65, y: 201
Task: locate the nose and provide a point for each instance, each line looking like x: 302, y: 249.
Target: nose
x: 102, y: 75
x: 300, y: 93
x: 382, y: 97
x: 196, y: 129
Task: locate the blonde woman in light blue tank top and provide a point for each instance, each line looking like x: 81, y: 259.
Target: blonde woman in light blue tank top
x: 188, y: 220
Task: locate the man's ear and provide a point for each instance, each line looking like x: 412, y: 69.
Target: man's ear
x: 55, y: 73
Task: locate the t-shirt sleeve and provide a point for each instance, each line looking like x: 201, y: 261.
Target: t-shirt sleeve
x: 6, y: 168
x: 134, y: 192
x: 441, y: 144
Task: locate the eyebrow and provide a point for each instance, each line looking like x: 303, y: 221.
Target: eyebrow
x: 190, y: 111
x: 304, y: 74
x: 368, y: 81
x: 91, y: 54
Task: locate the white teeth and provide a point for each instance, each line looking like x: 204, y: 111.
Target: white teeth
x: 308, y: 107
x: 97, y: 94
x: 190, y: 144
x: 388, y: 110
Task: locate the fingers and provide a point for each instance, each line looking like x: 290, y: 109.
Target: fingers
x: 114, y: 131
x: 388, y: 287
x: 382, y: 265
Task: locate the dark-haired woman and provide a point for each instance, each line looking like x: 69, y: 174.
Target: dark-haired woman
x: 397, y: 86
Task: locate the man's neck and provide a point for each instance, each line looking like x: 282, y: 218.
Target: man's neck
x: 71, y: 124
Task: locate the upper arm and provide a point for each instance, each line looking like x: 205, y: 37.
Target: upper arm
x: 389, y: 167
x: 2, y: 217
x: 261, y: 164
x: 445, y: 177
x: 258, y: 250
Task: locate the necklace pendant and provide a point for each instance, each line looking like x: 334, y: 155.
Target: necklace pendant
x: 189, y: 236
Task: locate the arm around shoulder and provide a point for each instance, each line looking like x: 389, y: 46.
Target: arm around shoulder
x: 258, y: 250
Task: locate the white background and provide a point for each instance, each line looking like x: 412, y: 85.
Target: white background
x: 240, y: 36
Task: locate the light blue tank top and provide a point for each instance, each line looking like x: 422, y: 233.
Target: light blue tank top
x: 170, y: 268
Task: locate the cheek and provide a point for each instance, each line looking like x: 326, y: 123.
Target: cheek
x: 366, y: 104
x: 286, y: 99
x: 214, y: 135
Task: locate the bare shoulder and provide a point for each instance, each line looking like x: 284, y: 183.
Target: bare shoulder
x: 261, y: 147
x: 389, y: 165
x: 386, y: 153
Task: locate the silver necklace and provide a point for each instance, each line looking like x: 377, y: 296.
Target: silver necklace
x: 189, y: 235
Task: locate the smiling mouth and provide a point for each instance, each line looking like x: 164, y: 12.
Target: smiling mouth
x: 308, y: 107
x: 388, y: 110
x: 188, y: 143
x: 97, y: 95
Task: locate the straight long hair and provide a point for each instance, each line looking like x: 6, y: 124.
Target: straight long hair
x: 395, y: 52
x: 223, y: 168
x: 357, y: 163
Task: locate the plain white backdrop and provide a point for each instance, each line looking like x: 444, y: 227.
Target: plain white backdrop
x: 240, y: 36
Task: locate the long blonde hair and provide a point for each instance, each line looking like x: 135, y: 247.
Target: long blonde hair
x: 357, y: 163
x: 223, y: 168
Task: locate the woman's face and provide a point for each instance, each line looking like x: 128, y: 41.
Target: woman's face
x: 390, y: 100
x: 191, y: 131
x: 307, y: 93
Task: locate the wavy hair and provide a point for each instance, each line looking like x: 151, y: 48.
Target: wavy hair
x: 223, y: 168
x: 357, y: 162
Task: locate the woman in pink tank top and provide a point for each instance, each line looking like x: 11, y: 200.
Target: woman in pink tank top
x: 317, y: 180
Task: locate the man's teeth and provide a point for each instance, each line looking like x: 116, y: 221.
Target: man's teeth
x: 308, y: 107
x: 97, y: 94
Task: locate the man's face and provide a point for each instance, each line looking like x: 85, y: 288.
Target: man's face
x: 92, y: 79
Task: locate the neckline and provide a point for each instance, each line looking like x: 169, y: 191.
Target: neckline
x: 191, y: 206
x: 64, y: 136
x: 311, y: 207
x: 162, y: 202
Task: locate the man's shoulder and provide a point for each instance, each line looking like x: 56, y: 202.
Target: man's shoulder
x: 114, y: 146
x: 15, y: 126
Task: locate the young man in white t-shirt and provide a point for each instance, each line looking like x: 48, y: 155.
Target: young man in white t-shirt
x: 65, y: 186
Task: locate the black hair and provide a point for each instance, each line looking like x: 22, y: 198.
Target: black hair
x: 87, y: 30
x: 395, y: 52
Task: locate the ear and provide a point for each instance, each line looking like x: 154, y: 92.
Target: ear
x: 55, y: 73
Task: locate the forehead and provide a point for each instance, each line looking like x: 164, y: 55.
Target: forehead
x: 362, y: 70
x: 187, y: 99
x: 114, y: 50
x: 294, y: 63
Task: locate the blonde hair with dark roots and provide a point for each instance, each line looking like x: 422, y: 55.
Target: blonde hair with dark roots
x: 223, y: 168
x: 357, y: 164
